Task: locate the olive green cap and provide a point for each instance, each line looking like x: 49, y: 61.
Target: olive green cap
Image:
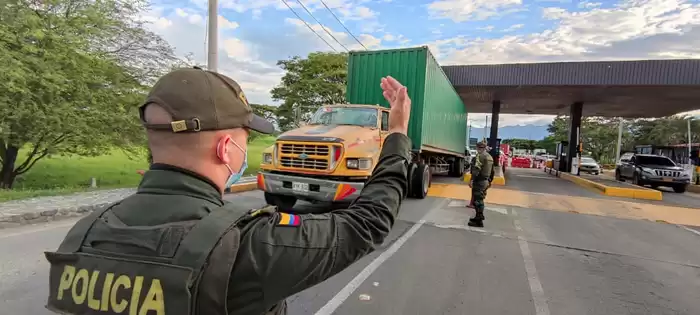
x: 200, y: 100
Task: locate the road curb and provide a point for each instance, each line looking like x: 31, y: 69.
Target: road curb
x: 497, y: 180
x: 634, y: 193
x: 10, y: 220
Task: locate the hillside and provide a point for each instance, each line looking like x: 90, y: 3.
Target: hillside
x: 531, y: 132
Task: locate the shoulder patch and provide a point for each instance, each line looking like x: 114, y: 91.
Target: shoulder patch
x: 287, y: 219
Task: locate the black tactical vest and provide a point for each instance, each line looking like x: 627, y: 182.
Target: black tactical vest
x: 106, y: 267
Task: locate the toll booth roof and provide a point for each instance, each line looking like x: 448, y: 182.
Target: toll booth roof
x: 632, y: 89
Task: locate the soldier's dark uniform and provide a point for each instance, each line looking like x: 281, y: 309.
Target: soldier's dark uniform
x: 482, y: 175
x: 175, y: 247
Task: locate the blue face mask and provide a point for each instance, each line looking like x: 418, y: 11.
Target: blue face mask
x: 236, y: 176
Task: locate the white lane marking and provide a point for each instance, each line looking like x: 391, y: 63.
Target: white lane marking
x: 538, y: 298
x: 538, y: 177
x: 499, y: 210
x: 696, y: 232
x: 34, y: 229
x: 345, y: 292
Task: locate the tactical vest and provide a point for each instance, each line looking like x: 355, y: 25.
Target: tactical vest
x: 180, y: 268
x: 487, y: 169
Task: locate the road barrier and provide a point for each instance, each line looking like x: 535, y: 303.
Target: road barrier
x: 521, y: 162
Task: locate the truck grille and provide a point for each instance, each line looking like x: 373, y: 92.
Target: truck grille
x: 667, y: 173
x: 306, y: 156
x: 308, y: 149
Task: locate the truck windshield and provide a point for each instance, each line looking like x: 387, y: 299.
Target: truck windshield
x: 356, y: 116
x: 654, y: 160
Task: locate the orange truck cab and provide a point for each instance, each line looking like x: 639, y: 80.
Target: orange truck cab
x: 328, y: 160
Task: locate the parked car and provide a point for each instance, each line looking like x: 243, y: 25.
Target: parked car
x: 588, y: 165
x: 652, y: 170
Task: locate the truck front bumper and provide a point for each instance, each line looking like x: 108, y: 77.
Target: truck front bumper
x: 306, y: 188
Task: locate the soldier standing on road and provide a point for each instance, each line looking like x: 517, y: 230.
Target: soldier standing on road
x: 176, y: 247
x: 481, y: 177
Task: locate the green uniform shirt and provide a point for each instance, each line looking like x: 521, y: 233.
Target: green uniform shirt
x: 276, y: 261
x: 482, y: 167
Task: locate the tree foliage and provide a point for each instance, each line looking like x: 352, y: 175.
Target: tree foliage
x: 71, y: 75
x: 307, y: 84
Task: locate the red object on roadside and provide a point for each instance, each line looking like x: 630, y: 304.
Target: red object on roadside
x: 141, y: 172
x: 521, y: 162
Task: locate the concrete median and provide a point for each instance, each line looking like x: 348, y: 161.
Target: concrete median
x: 625, y: 192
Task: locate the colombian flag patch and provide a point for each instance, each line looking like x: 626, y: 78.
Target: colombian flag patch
x: 287, y: 219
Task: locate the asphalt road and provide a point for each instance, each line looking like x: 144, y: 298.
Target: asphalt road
x: 525, y: 261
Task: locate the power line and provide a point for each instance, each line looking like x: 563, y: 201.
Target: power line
x: 324, y: 28
x: 309, y: 26
x: 341, y: 23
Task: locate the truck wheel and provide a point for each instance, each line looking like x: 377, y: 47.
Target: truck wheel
x: 420, y: 181
x: 457, y: 167
x: 282, y: 202
x: 411, y: 170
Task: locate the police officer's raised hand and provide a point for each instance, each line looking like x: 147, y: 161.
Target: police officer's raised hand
x: 397, y: 96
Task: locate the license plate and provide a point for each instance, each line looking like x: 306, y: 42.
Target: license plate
x: 304, y: 187
x: 668, y: 179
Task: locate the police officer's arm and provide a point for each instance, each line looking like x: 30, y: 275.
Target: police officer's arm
x: 289, y: 259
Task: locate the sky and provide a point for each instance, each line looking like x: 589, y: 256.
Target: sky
x: 255, y: 34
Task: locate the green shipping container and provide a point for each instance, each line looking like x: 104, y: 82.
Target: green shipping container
x: 438, y: 116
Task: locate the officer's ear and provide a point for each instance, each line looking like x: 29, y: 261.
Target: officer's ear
x: 222, y: 149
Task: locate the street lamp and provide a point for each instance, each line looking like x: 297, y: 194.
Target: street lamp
x: 212, y: 49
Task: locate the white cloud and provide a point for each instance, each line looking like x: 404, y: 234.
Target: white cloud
x: 513, y: 28
x: 345, y: 9
x: 238, y: 58
x: 367, y: 40
x: 479, y: 120
x: 635, y: 29
x: 588, y: 5
x: 463, y: 10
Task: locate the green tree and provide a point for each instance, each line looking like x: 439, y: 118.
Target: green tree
x: 308, y: 83
x: 70, y: 79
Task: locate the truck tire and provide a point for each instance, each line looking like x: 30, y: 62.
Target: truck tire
x: 420, y: 181
x: 282, y: 202
x: 457, y: 167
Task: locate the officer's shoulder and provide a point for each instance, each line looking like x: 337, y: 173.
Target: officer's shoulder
x: 239, y: 212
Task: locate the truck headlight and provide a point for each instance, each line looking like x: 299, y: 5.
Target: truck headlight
x: 358, y: 164
x: 647, y: 170
x: 267, y: 158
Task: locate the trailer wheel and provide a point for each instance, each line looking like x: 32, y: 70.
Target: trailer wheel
x: 282, y: 202
x: 457, y: 167
x: 420, y: 181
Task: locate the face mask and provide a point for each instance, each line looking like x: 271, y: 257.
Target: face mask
x: 235, y: 176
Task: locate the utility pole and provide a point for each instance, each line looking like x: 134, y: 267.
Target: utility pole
x: 486, y: 126
x: 213, y: 35
x: 618, y: 151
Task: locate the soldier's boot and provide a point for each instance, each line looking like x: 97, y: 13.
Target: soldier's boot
x: 478, y: 219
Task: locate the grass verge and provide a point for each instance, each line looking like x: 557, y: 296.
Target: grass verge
x: 70, y: 174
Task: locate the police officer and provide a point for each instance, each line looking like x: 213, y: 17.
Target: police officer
x: 482, y: 175
x: 176, y: 247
